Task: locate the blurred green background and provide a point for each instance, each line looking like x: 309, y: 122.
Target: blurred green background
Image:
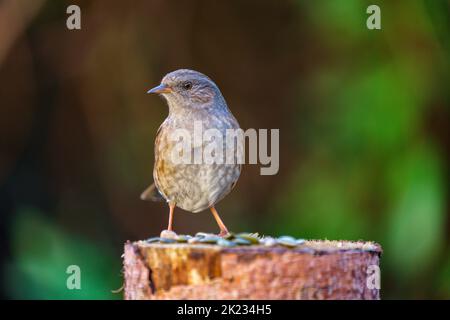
x: 363, y: 118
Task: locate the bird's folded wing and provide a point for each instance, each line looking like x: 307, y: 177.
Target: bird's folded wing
x: 152, y: 194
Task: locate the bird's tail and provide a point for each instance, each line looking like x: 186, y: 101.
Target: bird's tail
x: 151, y: 194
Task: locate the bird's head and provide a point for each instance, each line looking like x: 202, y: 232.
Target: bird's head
x: 186, y: 88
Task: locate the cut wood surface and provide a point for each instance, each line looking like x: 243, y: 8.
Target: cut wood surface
x: 313, y: 270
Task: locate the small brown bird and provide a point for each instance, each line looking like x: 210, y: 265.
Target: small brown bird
x: 192, y: 98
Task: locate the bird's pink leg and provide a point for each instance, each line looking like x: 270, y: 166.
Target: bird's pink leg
x: 223, y: 229
x: 171, y: 208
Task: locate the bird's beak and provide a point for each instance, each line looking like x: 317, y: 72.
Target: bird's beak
x: 162, y: 88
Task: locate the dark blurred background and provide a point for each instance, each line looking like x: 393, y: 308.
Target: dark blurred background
x: 363, y: 118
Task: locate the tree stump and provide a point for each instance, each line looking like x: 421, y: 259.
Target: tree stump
x: 313, y: 270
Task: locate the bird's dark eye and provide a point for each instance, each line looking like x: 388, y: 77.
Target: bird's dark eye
x: 187, y: 85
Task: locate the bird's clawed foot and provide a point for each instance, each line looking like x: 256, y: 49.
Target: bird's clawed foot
x: 168, y: 234
x: 223, y: 233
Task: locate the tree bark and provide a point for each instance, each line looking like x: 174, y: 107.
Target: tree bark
x: 313, y: 270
